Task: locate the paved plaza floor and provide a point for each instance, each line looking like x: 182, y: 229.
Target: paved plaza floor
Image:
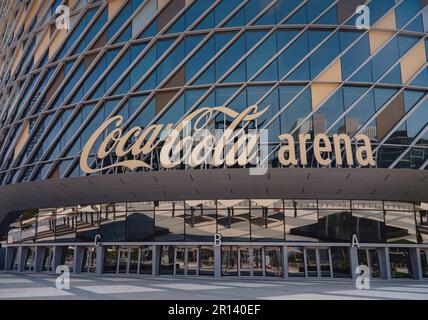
x: 42, y: 286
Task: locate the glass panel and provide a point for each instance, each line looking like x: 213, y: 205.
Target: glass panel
x: 229, y: 261
x: 67, y: 257
x: 335, y: 225
x: 233, y: 219
x: 401, y: 264
x: 301, y: 221
x: 257, y: 261
x: 400, y: 227
x: 296, y: 262
x: 146, y: 260
x: 169, y: 221
x: 325, y: 262
x: 244, y: 261
x: 340, y: 261
x: 123, y: 260
x: 140, y: 221
x: 206, y: 261
x: 87, y: 223
x: 192, y: 261
x: 273, y: 262
x: 362, y: 257
x: 369, y: 225
x: 422, y: 223
x: 113, y: 222
x: 89, y: 259
x: 166, y: 265
x: 311, y: 262
x: 133, y: 260
x: 374, y: 263
x: 29, y: 261
x: 47, y: 259
x: 179, y: 260
x: 424, y: 262
x: 267, y: 220
x: 110, y: 260
x: 200, y: 220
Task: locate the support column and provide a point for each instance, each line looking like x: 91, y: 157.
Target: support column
x: 217, y: 262
x: 22, y: 258
x: 38, y: 263
x: 353, y: 259
x: 78, y: 259
x: 415, y: 257
x: 9, y: 257
x: 155, y: 260
x: 285, y: 262
x: 99, y: 264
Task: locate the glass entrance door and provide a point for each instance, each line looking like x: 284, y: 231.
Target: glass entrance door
x: 180, y: 263
x: 244, y: 261
x: 192, y: 261
x: 123, y: 260
x: 47, y: 259
x: 311, y: 263
x: 325, y: 263
x: 134, y: 258
x: 369, y: 258
x: 89, y: 259
x: 258, y: 263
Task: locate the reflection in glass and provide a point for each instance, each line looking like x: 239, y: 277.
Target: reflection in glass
x: 374, y: 263
x: 325, y: 262
x: 192, y: 261
x: 47, y: 259
x: 133, y: 259
x: 29, y: 261
x: 244, y: 261
x: 422, y: 223
x: 273, y: 262
x: 67, y: 257
x: 180, y: 253
x: 140, y: 221
x: 123, y: 260
x: 169, y: 221
x: 296, y: 262
x: 46, y: 225
x: 369, y: 225
x: 335, y: 225
x: 257, y: 261
x: 311, y: 263
x: 400, y: 227
x: 424, y: 262
x: 301, y: 221
x: 401, y: 263
x: 166, y: 265
x: 28, y: 226
x: 65, y: 224
x: 110, y: 260
x: 146, y: 260
x: 233, y: 220
x: 87, y: 223
x: 267, y: 220
x: 89, y: 259
x: 200, y: 220
x: 206, y: 261
x: 340, y: 262
x: 113, y: 222
x: 229, y: 261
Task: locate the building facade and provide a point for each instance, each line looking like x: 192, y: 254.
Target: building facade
x: 88, y: 87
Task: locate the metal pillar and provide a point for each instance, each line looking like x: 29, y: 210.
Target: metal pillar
x: 217, y: 261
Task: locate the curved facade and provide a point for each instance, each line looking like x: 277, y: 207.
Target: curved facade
x: 320, y: 69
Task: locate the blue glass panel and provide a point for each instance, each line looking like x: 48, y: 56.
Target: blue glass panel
x: 411, y: 98
x: 351, y: 94
x: 328, y: 113
x: 385, y: 58
x: 271, y: 101
x: 292, y: 55
x: 146, y: 115
x: 355, y: 57
x: 261, y: 56
x: 316, y: 7
x: 324, y: 55
x: 297, y: 110
x: 405, y: 11
x: 382, y: 95
x: 360, y: 113
x: 192, y: 96
x: 199, y: 59
x: 378, y: 8
x: 421, y: 79
x: 329, y: 18
x: 405, y: 43
x: 119, y: 20
x: 393, y: 76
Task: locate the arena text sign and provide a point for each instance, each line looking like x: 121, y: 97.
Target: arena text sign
x: 194, y: 142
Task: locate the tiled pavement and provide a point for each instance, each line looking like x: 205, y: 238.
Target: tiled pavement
x: 42, y: 286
